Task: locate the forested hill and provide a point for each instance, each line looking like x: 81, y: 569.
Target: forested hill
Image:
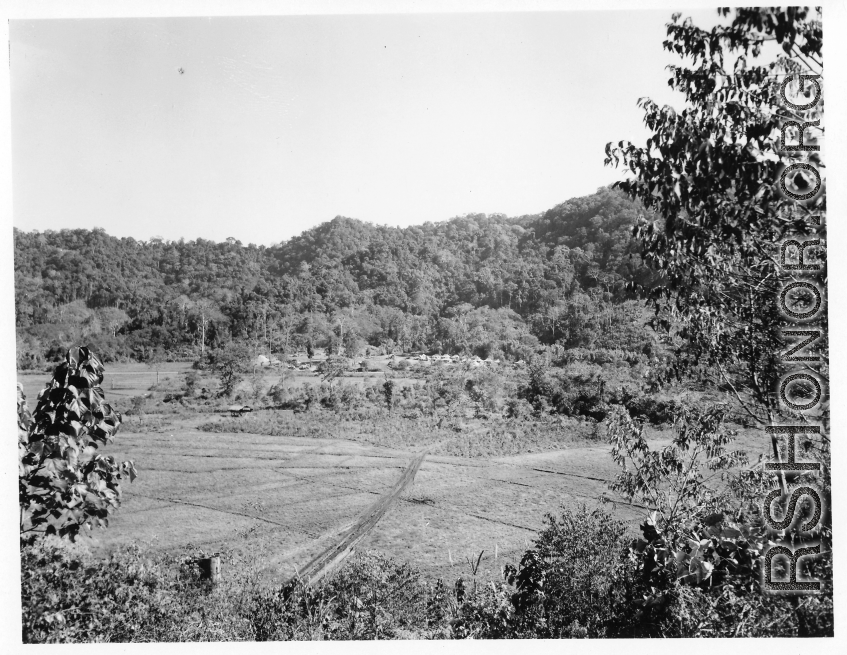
x: 470, y: 283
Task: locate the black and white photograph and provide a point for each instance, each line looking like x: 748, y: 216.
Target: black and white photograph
x: 424, y: 322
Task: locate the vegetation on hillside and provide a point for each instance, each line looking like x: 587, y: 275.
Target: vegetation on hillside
x: 475, y: 284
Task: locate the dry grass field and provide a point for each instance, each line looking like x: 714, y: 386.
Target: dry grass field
x: 284, y: 498
x: 121, y: 381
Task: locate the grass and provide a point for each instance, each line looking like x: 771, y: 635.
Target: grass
x: 474, y: 438
x: 294, y: 495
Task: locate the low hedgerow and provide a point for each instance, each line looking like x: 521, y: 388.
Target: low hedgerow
x: 451, y: 435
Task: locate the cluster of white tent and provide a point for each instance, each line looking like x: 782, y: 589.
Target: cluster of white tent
x: 449, y: 359
x: 301, y: 362
x: 291, y: 364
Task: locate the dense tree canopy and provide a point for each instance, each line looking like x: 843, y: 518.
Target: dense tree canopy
x: 473, y: 283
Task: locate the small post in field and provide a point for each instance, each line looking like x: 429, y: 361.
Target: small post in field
x: 210, y: 568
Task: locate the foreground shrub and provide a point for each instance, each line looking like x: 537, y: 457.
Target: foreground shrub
x: 575, y: 582
x: 702, y: 548
x: 64, y: 484
x: 69, y: 595
x: 582, y: 578
x: 371, y: 597
x: 703, y: 581
x: 66, y: 596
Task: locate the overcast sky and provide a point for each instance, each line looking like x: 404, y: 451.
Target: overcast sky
x: 259, y: 128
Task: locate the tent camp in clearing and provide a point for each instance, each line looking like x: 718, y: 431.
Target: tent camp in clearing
x: 261, y: 361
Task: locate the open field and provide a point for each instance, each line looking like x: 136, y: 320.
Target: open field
x: 287, y: 495
x: 120, y: 382
x: 287, y: 498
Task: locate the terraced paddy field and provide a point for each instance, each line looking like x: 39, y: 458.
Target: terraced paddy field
x: 282, y: 499
x: 289, y: 497
x: 286, y: 498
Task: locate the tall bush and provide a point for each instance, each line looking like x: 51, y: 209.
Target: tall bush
x: 575, y: 582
